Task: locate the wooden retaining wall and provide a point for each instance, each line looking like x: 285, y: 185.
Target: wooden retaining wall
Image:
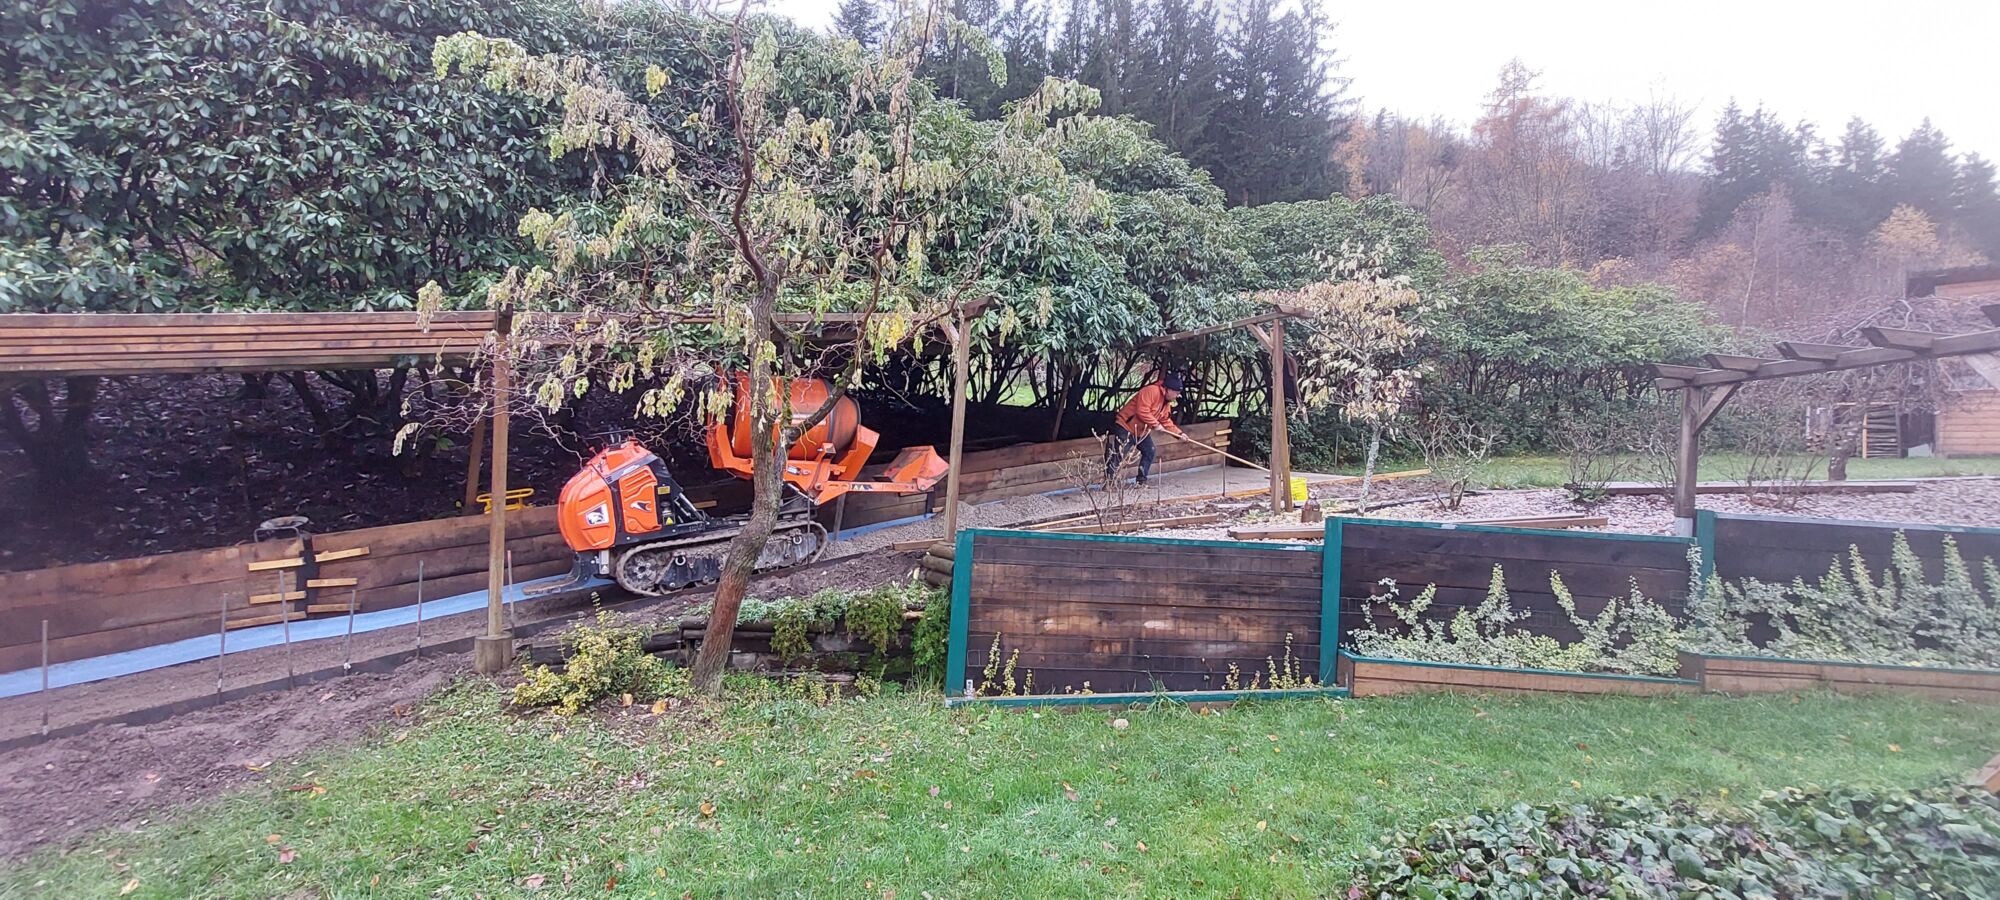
x: 1765, y: 675
x: 1108, y: 613
x: 106, y: 607
x: 1596, y: 567
x: 1374, y: 677
x: 1777, y: 549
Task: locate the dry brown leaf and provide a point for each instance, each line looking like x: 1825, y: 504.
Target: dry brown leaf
x: 707, y: 808
x: 1142, y: 846
x: 659, y: 707
x: 286, y: 855
x: 1261, y: 824
x: 624, y: 699
x: 273, y: 838
x: 534, y: 881
x: 129, y: 887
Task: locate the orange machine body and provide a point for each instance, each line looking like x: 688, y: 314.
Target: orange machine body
x: 826, y: 461
x: 622, y: 493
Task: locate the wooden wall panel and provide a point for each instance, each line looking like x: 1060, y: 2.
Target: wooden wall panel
x: 1777, y: 549
x: 1125, y: 614
x: 1968, y: 424
x: 1460, y: 561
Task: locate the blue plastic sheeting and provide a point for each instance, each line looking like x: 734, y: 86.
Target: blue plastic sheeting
x: 860, y: 530
x: 111, y: 665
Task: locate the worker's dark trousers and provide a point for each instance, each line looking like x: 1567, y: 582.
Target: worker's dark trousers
x: 1119, y: 448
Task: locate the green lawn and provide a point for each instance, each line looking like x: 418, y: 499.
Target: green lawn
x: 779, y: 797
x: 1530, y: 471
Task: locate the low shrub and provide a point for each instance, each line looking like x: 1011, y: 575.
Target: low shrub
x: 1899, y: 616
x: 875, y: 616
x: 1633, y: 636
x: 604, y: 660
x: 1806, y: 842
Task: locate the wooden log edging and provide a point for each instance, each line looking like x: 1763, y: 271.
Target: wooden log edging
x: 1370, y: 676
x: 1770, y: 674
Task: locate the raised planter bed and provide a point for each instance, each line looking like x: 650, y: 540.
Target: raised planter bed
x: 1193, y: 699
x: 1369, y: 676
x: 1765, y: 675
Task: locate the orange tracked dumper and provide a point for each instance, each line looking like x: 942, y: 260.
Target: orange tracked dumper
x: 628, y: 519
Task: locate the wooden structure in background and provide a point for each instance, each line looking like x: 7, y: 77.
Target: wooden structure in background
x: 1775, y: 549
x: 1269, y: 330
x: 1704, y: 390
x: 1771, y: 675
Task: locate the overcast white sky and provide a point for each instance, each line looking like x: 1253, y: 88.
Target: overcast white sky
x: 1890, y: 63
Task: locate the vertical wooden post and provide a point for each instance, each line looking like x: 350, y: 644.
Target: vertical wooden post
x: 1281, y: 440
x: 1687, y: 461
x: 495, y: 650
x: 472, y: 461
x: 961, y: 352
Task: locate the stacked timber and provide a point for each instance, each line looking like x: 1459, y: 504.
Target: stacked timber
x: 153, y: 344
x: 936, y: 566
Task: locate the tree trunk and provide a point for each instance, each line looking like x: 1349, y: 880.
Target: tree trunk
x: 1368, y: 467
x: 58, y: 445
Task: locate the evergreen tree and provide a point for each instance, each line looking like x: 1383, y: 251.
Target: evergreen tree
x: 1179, y: 79
x: 1857, y: 200
x: 1922, y: 174
x: 860, y: 20
x: 1976, y: 205
x: 1283, y: 115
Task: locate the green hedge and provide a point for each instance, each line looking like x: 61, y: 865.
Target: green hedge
x: 1807, y: 842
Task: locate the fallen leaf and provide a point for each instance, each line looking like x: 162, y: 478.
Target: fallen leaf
x: 659, y: 707
x: 129, y: 887
x: 1575, y: 784
x: 1120, y: 724
x: 1261, y: 824
x: 1895, y: 749
x: 273, y: 838
x: 286, y: 855
x: 1142, y: 846
x: 534, y: 881
x: 934, y: 790
x: 707, y: 808
x: 1069, y: 793
x: 624, y: 699
x: 865, y: 773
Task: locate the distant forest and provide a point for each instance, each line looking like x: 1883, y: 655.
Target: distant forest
x: 1768, y: 220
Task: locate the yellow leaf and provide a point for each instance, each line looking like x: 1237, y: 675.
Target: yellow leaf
x: 1575, y: 783
x: 624, y: 699
x: 707, y: 808
x: 129, y: 887
x: 1261, y: 825
x: 659, y: 707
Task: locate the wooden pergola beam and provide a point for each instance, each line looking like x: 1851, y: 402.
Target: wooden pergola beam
x: 1807, y: 350
x: 1901, y: 338
x: 1736, y: 363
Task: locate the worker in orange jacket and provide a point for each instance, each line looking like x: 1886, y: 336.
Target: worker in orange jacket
x: 1151, y: 408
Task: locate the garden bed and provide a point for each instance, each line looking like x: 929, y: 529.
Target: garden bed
x: 1766, y: 675
x: 1370, y: 676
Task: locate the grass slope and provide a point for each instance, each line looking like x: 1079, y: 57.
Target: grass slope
x: 779, y: 797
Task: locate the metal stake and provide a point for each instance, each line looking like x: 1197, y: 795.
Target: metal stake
x: 420, y: 609
x: 347, y: 665
x: 285, y: 623
x: 45, y: 678
x: 221, y: 642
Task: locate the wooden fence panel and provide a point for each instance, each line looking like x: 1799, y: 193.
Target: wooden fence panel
x: 1778, y: 549
x: 1114, y: 614
x: 1459, y: 560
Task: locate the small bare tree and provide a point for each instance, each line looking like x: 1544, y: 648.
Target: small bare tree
x: 1455, y: 452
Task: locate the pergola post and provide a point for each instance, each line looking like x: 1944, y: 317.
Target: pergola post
x: 1281, y: 440
x: 494, y: 651
x: 1698, y: 406
x: 961, y: 364
x: 475, y: 455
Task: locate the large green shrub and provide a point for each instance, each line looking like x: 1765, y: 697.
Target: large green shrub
x: 1792, y: 843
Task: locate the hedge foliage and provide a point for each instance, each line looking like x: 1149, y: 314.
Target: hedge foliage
x: 1798, y: 842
